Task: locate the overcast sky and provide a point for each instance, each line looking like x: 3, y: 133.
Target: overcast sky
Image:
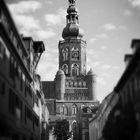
x: 109, y: 26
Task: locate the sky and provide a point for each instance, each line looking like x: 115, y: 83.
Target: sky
x: 109, y: 27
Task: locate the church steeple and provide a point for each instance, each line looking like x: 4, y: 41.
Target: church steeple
x: 72, y: 28
x: 72, y: 82
x: 72, y: 50
x: 72, y: 11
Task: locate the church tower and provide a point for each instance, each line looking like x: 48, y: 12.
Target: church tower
x: 72, y: 50
x: 72, y: 61
x: 73, y: 87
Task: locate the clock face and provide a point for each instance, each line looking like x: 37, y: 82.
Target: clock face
x: 75, y: 53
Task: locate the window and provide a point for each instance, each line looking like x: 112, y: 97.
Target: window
x: 11, y: 67
x: 61, y: 109
x: 75, y: 84
x: 65, y: 68
x: 75, y: 70
x: 84, y: 84
x: 15, y: 41
x: 136, y: 83
x: 36, y: 100
x: 2, y: 87
x: 15, y: 104
x: 35, y: 121
x: 11, y: 101
x: 28, y: 113
x: 80, y: 83
x: 21, y: 82
x: 130, y: 90
x: 71, y: 83
x: 2, y: 49
x: 58, y: 109
x: 65, y: 54
x: 25, y: 117
x: 74, y: 109
x: 18, y: 107
x: 75, y: 54
x: 67, y: 84
x: 138, y: 80
x: 30, y: 91
x: 65, y: 110
x: 17, y: 70
x: 25, y: 87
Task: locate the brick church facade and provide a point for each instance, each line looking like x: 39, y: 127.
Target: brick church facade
x: 73, y: 87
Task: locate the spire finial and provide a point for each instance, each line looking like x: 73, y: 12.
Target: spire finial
x: 72, y: 1
x: 72, y: 28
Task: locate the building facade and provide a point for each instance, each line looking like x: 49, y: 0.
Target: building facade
x: 72, y: 87
x: 119, y: 118
x: 21, y: 97
x: 124, y: 117
x: 83, y: 121
x: 97, y: 123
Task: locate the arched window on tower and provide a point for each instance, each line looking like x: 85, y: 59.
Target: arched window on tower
x: 61, y: 110
x: 74, y: 110
x: 65, y: 54
x: 75, y: 70
x: 75, y: 54
x: 65, y: 68
x: 65, y: 110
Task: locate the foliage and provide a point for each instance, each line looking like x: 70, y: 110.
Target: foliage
x: 61, y: 130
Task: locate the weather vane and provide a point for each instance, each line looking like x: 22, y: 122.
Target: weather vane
x: 72, y: 1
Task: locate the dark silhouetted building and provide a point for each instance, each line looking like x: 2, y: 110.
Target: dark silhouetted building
x: 22, y: 106
x: 119, y: 118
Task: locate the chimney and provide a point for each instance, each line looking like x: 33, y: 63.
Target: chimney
x: 135, y: 45
x: 127, y: 59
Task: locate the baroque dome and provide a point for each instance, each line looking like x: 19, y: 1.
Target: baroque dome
x: 72, y: 30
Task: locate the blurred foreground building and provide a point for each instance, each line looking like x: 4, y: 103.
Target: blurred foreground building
x: 23, y: 114
x: 97, y: 122
x: 119, y: 117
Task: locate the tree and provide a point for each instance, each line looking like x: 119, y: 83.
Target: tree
x: 61, y: 130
